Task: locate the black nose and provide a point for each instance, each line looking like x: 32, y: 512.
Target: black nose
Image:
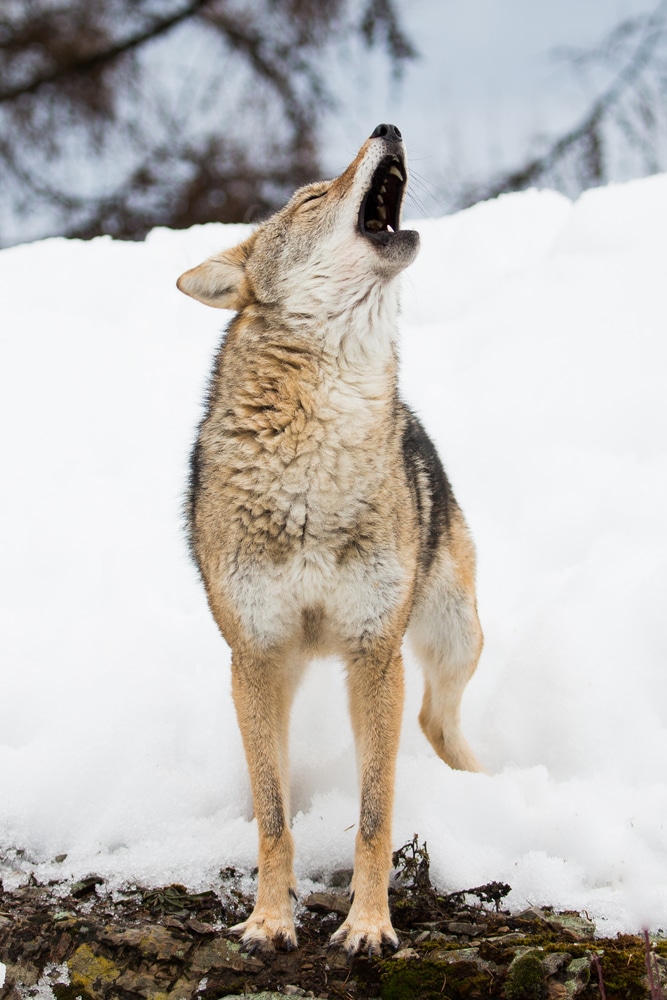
x: 389, y: 132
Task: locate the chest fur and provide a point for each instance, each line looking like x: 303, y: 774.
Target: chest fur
x: 296, y: 453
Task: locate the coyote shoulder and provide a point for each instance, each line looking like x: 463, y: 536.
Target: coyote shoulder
x: 321, y: 518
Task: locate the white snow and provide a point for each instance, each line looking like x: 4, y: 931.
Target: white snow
x: 534, y: 348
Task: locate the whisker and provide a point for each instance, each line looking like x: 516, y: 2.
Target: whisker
x: 432, y: 193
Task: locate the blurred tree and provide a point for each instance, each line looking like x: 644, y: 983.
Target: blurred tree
x: 624, y: 129
x: 122, y: 115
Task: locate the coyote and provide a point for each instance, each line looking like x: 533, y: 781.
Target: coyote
x: 321, y: 518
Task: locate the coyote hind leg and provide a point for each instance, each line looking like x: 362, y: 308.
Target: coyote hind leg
x: 447, y: 638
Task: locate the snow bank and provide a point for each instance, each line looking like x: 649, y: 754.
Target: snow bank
x: 534, y: 349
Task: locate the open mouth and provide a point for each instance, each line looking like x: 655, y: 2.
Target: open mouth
x: 379, y: 215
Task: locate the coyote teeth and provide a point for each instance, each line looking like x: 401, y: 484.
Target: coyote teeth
x: 396, y: 172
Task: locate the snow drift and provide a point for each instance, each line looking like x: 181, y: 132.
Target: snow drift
x: 534, y: 350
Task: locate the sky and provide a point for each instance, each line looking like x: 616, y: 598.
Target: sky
x: 486, y: 85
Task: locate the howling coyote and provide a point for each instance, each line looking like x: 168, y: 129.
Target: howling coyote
x: 321, y: 518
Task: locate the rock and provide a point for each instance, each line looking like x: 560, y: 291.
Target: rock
x: 62, y: 948
x: 200, y: 928
x: 459, y: 955
x: 340, y: 878
x: 533, y: 913
x: 406, y: 953
x: 91, y: 973
x: 21, y: 972
x: 183, y: 989
x: 555, y: 961
x: 222, y: 954
x: 138, y: 982
x: 461, y: 927
x: 328, y: 902
x: 439, y: 936
x: 471, y: 956
x: 264, y: 995
x: 86, y: 886
x: 578, y: 974
x: 574, y: 926
x: 154, y: 942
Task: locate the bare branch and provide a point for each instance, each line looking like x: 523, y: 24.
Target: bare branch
x: 627, y: 102
x: 91, y: 63
x: 117, y: 129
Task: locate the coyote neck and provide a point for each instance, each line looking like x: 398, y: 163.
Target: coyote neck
x: 305, y: 362
x: 300, y: 434
x: 297, y: 387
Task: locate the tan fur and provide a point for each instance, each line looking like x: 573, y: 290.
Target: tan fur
x: 313, y: 519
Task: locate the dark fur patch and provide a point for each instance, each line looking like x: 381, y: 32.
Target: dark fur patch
x: 311, y: 619
x: 428, y: 481
x: 272, y: 818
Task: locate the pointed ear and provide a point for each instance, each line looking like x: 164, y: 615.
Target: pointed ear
x: 219, y: 281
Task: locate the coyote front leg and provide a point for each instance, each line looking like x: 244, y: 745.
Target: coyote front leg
x: 376, y: 703
x: 262, y: 690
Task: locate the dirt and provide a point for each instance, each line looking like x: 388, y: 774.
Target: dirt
x: 82, y: 941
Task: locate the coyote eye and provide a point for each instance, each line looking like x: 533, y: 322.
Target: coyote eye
x: 312, y: 197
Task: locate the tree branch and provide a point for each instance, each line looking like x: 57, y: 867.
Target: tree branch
x: 90, y: 63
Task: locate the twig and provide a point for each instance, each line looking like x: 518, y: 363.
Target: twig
x: 596, y: 962
x: 653, y: 972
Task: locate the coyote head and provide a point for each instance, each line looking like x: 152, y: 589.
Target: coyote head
x: 329, y: 246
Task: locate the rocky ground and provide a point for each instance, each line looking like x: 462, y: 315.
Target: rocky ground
x: 81, y: 941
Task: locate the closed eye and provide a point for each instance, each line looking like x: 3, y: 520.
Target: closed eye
x: 312, y: 197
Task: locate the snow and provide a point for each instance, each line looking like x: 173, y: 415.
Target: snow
x: 534, y: 348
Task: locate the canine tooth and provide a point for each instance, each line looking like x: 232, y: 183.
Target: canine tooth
x: 390, y: 229
x: 382, y: 212
x: 396, y: 172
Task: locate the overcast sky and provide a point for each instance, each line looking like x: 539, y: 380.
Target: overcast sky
x: 486, y: 85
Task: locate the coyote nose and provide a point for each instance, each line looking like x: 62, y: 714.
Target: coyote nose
x: 389, y: 132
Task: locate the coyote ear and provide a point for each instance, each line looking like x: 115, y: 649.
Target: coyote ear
x: 219, y: 280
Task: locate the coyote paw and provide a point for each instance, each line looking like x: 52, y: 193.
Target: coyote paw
x: 264, y: 931
x: 365, y: 934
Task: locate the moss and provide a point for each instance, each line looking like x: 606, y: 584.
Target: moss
x: 624, y: 968
x: 429, y: 946
x: 90, y: 974
x: 63, y: 992
x: 496, y: 952
x: 404, y: 980
x: 526, y: 979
